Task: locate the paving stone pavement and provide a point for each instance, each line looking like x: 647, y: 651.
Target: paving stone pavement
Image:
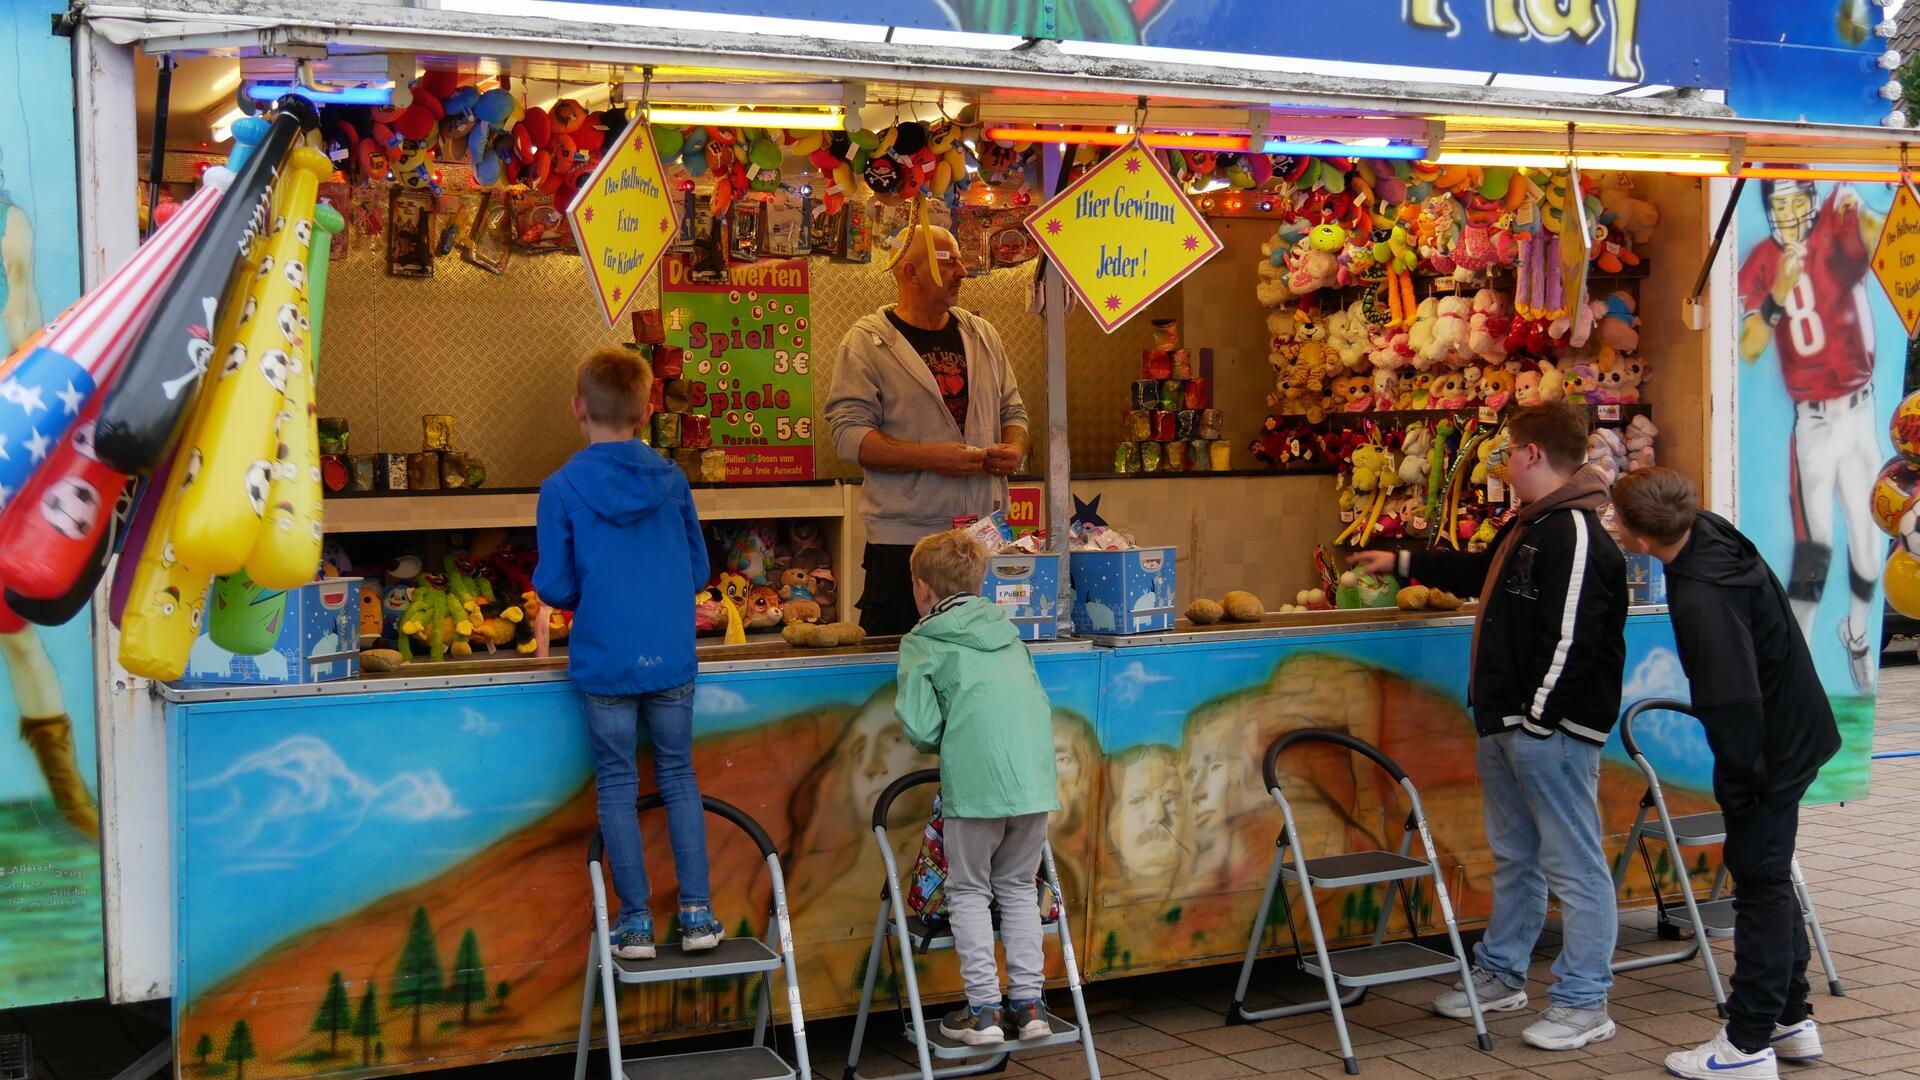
x: 1862, y: 861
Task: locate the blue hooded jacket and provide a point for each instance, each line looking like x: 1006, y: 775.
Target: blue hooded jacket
x: 620, y: 547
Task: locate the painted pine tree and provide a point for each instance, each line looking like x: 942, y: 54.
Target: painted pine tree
x: 417, y: 983
x: 366, y: 1024
x: 335, y: 1015
x: 240, y: 1049
x: 469, y: 977
x: 203, y: 1049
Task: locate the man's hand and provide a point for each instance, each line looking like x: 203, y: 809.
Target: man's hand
x: 1003, y: 459
x: 1791, y: 264
x: 955, y: 459
x: 1373, y: 562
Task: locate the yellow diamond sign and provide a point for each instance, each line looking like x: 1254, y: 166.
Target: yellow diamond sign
x: 623, y: 219
x: 1123, y: 234
x: 1896, y: 258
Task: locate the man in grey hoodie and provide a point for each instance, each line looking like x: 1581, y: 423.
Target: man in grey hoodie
x: 924, y: 399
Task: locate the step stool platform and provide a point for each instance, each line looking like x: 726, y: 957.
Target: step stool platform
x: 739, y: 1063
x: 1377, y: 965
x: 917, y: 932
x: 1064, y: 1032
x: 1717, y: 917
x: 1698, y: 830
x: 1359, y: 868
x: 734, y: 956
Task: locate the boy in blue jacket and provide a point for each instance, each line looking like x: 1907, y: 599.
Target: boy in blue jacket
x: 617, y: 525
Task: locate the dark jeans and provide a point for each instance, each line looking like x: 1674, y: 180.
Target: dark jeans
x: 614, y: 727
x: 886, y: 606
x: 1769, y: 935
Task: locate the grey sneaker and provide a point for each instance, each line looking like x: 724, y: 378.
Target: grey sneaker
x: 1562, y: 1028
x: 1495, y: 996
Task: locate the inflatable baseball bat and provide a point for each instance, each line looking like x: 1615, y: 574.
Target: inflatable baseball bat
x: 49, y: 535
x: 149, y: 400
x: 286, y: 549
x: 48, y: 380
x: 59, y: 610
x: 220, y: 515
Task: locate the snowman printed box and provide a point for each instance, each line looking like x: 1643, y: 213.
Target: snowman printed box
x: 1123, y: 592
x: 1027, y: 588
x: 316, y: 630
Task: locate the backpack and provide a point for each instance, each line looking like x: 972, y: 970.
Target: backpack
x: 927, y: 882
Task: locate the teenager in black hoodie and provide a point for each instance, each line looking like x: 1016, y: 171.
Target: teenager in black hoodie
x: 1544, y: 687
x: 1770, y: 728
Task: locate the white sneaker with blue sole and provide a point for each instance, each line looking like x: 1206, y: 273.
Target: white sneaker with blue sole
x: 1797, y: 1043
x: 1720, y: 1058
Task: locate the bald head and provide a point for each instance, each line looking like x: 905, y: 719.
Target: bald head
x: 917, y: 249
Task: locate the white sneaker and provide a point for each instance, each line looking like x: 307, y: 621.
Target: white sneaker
x: 1494, y: 996
x: 1564, y: 1028
x: 1798, y: 1043
x: 1720, y: 1059
x: 1859, y: 657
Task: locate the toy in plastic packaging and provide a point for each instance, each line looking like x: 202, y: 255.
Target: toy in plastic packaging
x: 1085, y: 536
x: 784, y: 230
x: 973, y: 227
x: 649, y: 327
x: 667, y: 361
x: 334, y: 436
x: 858, y: 245
x: 436, y: 432
x: 747, y: 217
x: 423, y: 470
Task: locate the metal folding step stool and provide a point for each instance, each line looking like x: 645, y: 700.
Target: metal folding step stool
x: 909, y: 935
x: 1714, y: 917
x: 1356, y: 969
x: 737, y: 957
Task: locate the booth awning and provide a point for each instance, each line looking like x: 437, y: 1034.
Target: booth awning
x: 1072, y: 87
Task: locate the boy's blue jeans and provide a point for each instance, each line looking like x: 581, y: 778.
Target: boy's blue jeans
x: 1543, y: 826
x: 613, y: 729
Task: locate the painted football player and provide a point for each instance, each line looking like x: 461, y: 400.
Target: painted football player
x: 1804, y: 292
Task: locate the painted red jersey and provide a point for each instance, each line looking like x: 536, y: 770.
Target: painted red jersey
x: 1825, y: 335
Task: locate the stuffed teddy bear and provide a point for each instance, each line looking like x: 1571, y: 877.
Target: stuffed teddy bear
x: 1470, y: 377
x: 763, y: 608
x: 1418, y: 392
x: 1639, y: 443
x: 1638, y: 372
x: 1607, y: 377
x: 1452, y: 329
x: 1386, y: 389
x: 1553, y: 382
x: 1420, y: 334
x: 1487, y: 329
x: 1526, y: 387
x: 1390, y: 348
x: 1607, y: 452
x: 1347, y: 333
x: 1272, y: 290
x: 1300, y: 393
x: 1624, y: 214
x: 1415, y: 465
x: 1309, y: 269
x: 1615, y: 329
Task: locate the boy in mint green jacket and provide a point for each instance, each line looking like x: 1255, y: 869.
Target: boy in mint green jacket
x: 968, y: 692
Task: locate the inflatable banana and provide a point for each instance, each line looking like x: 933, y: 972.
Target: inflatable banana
x: 286, y: 551
x: 219, y: 516
x: 150, y: 397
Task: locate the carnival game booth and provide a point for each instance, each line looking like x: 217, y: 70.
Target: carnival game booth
x: 372, y: 871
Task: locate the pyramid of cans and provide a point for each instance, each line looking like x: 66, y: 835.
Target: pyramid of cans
x: 1171, y: 425
x: 676, y: 430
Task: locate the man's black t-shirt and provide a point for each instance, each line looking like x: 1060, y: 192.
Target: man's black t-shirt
x: 945, y: 353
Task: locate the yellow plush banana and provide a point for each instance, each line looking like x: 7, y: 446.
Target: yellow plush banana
x: 286, y: 551
x: 219, y: 516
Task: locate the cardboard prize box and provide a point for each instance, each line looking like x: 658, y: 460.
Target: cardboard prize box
x: 316, y: 630
x: 1123, y: 592
x: 1027, y: 588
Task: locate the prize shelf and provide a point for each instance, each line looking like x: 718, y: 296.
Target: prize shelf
x: 423, y: 511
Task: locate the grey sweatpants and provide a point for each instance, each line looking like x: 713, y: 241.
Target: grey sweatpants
x: 992, y: 859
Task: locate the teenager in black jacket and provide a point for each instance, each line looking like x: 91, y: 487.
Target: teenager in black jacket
x: 1544, y: 686
x: 1771, y: 728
